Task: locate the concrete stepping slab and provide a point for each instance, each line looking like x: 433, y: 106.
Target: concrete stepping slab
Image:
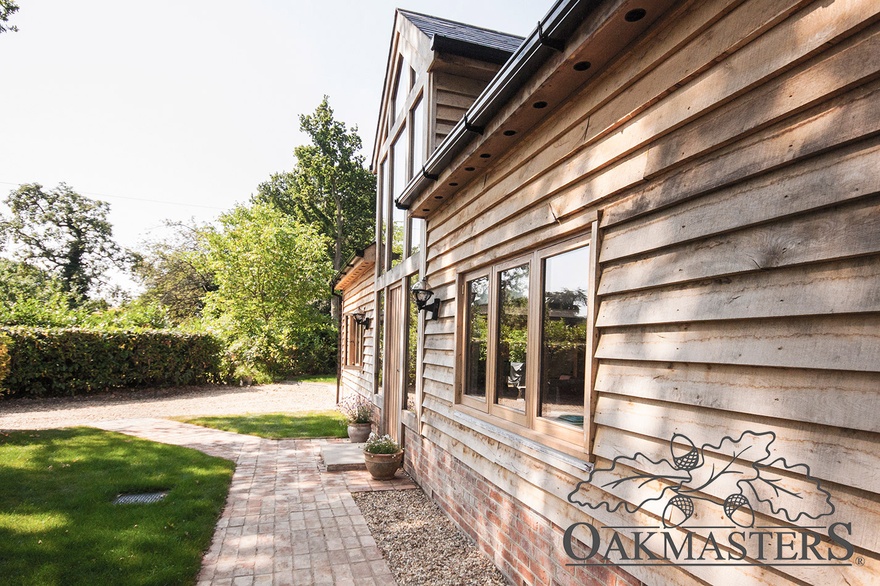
x: 342, y: 456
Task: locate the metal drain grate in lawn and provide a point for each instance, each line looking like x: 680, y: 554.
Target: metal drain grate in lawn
x: 140, y: 499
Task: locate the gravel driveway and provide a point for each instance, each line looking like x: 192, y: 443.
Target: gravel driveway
x: 35, y: 413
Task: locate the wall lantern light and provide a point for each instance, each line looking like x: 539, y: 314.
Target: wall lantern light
x: 361, y: 319
x: 422, y: 294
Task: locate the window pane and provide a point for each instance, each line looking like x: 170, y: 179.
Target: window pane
x: 416, y: 226
x: 401, y: 86
x: 477, y: 337
x: 380, y: 338
x: 412, y: 339
x: 398, y: 216
x: 513, y: 318
x: 564, y: 337
x: 418, y: 135
x: 382, y: 216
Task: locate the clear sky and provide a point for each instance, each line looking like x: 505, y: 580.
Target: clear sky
x: 178, y: 109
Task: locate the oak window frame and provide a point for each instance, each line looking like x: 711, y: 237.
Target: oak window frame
x: 566, y: 437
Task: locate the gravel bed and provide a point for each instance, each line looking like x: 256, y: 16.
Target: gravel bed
x: 420, y: 544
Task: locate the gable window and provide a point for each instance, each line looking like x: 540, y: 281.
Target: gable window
x: 523, y: 356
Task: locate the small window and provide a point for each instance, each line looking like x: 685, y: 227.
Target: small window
x: 354, y: 342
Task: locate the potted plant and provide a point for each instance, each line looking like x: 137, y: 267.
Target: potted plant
x: 383, y: 456
x: 359, y: 413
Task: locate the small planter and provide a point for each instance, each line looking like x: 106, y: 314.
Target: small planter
x: 359, y: 432
x: 383, y: 466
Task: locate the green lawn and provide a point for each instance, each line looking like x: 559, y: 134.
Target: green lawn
x: 58, y: 525
x: 317, y: 378
x: 279, y: 425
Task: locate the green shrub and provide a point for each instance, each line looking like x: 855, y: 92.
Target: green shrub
x: 76, y: 361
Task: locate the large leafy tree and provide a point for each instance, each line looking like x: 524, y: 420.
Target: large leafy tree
x: 270, y: 273
x: 175, y: 272
x: 63, y: 233
x: 329, y: 187
x: 32, y: 297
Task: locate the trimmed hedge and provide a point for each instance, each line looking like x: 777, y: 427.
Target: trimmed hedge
x: 75, y: 361
x: 4, y: 360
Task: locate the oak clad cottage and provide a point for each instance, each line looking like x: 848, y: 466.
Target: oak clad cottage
x: 653, y: 228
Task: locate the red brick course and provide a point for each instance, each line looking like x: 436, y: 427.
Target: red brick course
x: 525, y: 546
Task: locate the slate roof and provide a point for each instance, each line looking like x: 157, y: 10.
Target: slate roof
x: 457, y: 37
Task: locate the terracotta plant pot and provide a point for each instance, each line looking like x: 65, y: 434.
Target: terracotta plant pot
x: 359, y: 432
x: 383, y: 466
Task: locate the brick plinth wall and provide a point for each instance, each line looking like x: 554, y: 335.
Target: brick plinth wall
x: 525, y: 546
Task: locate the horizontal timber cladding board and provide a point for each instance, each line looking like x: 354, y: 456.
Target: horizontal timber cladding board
x: 440, y: 374
x: 834, y: 398
x: 851, y: 63
x: 439, y: 357
x: 847, y: 342
x: 842, y: 120
x: 712, y: 89
x: 838, y: 455
x: 839, y: 232
x: 440, y: 342
x: 559, y: 511
x: 835, y: 177
x: 455, y: 99
x: 502, y: 243
x: 649, y: 70
x: 862, y: 513
x: 447, y: 82
x: 441, y: 326
x: 836, y: 287
x: 851, y: 505
x: 437, y: 392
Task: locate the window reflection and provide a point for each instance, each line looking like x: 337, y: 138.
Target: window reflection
x: 412, y: 339
x: 513, y: 318
x: 477, y: 337
x: 398, y: 216
x: 564, y: 337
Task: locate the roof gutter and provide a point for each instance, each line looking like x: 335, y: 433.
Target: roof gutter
x: 548, y: 38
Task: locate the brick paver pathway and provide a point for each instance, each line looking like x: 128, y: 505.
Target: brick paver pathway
x: 287, y: 521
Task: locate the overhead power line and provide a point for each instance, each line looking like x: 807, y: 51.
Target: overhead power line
x: 170, y: 203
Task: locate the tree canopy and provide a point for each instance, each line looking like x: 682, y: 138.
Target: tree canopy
x: 7, y: 9
x: 271, y: 273
x: 64, y: 233
x: 175, y: 272
x: 329, y: 187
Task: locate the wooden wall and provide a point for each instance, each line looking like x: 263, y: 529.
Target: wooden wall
x: 454, y: 93
x: 358, y: 295
x: 733, y: 155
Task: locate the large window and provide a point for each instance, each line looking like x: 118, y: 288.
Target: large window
x: 524, y: 333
